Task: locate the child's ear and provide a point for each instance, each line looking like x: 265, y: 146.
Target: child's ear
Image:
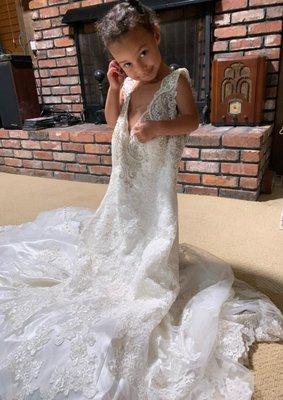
x: 157, y: 34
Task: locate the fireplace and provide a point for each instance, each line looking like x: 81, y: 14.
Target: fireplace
x: 185, y: 42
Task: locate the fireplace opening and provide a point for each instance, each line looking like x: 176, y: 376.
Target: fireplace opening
x: 185, y: 42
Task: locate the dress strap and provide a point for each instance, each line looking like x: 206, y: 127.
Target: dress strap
x: 127, y: 86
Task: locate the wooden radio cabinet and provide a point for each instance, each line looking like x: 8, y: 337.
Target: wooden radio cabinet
x: 238, y: 90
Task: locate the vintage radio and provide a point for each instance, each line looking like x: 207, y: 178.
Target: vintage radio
x: 238, y: 90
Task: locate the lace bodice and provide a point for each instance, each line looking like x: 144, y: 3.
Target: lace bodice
x: 106, y: 305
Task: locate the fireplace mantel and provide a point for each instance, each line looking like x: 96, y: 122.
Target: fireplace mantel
x: 95, y: 12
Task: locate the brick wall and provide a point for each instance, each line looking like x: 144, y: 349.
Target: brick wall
x: 246, y: 27
x: 240, y: 27
x: 217, y: 161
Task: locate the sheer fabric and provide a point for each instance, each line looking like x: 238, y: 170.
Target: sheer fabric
x: 106, y: 304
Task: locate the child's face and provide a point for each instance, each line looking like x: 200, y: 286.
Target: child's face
x: 138, y: 54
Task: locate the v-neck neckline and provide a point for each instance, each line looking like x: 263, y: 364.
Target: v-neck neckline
x: 149, y: 104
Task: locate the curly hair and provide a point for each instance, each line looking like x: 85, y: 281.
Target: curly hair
x: 123, y: 17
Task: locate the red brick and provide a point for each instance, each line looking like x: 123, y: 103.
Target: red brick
x: 250, y: 155
x: 216, y: 180
x: 54, y: 2
x: 41, y: 24
x: 64, y: 156
x: 76, y: 168
x: 18, y: 134
x: 264, y: 2
x: 76, y: 147
x: 222, y: 20
x: 265, y: 27
x: 73, y: 70
x: 247, y: 43
x: 239, y: 169
x: 52, y: 33
x: 23, y: 153
x: 97, y: 149
x: 190, y: 153
x: 14, y: 162
x: 52, y: 100
x: 54, y: 165
x: 103, y: 137
x: 9, y: 170
x: 220, y: 45
x: 49, y: 145
x: 247, y: 15
x: 37, y: 4
x: 47, y: 63
x: 201, y: 190
x: 88, y: 159
x: 239, y: 194
x: 64, y: 175
x: 83, y: 137
x: 50, y: 82
x: 242, y: 137
x: 59, y: 135
x: 249, y: 183
x: 30, y: 144
x: 274, y: 12
x: 100, y: 170
x: 87, y: 3
x: 59, y: 72
x: 71, y: 99
x: 43, y: 155
x: 230, y: 31
x: 49, y: 12
x: 6, y: 153
x: 54, y: 53
x: 76, y: 90
x: 46, y: 174
x: 272, y: 40
x: 226, y: 5
x: 189, y: 178
x: 106, y: 160
x: 12, y: 144
x: 64, y: 42
x: 69, y: 80
x: 67, y: 61
x: 65, y: 8
x: 32, y: 164
x: 220, y: 154
x: 272, y: 54
x: 229, y: 55
x: 201, y: 166
x: 60, y: 90
x: 4, y: 134
x: 44, y: 44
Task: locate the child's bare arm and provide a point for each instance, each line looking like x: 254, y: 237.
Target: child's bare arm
x: 113, y: 106
x: 114, y: 99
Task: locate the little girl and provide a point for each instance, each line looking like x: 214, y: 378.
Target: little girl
x: 105, y: 304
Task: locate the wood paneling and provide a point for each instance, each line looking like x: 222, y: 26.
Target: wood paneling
x: 9, y: 27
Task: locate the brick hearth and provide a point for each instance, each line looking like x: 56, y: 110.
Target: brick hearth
x: 217, y: 161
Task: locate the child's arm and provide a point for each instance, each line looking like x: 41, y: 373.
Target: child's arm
x: 187, y: 120
x: 113, y: 106
x: 114, y: 99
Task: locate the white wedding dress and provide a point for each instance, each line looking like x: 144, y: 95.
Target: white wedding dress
x: 106, y: 305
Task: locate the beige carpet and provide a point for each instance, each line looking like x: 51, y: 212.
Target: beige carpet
x: 244, y: 233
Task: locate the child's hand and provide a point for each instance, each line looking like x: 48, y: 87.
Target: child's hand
x: 115, y: 75
x: 145, y: 130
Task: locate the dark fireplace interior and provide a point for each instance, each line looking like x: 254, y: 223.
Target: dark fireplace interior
x: 185, y: 42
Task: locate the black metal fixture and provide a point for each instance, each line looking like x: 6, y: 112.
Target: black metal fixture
x: 185, y: 42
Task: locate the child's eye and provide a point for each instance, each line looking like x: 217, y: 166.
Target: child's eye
x: 142, y: 53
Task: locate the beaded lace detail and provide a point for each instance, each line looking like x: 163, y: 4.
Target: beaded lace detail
x: 106, y: 305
